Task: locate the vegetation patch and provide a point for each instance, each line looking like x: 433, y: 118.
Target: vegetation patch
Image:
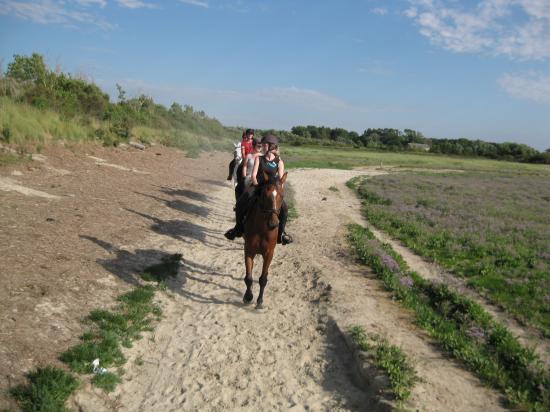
x: 464, y: 329
x: 333, y: 189
x: 40, y: 104
x: 349, y: 157
x: 492, y: 229
x: 109, y: 331
x: 48, y: 390
x: 160, y: 272
x: 388, y: 358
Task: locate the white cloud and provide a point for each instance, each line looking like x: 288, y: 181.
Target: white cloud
x: 198, y: 3
x: 100, y: 3
x: 519, y: 29
x: 135, y: 4
x: 381, y: 11
x: 53, y: 12
x: 532, y: 85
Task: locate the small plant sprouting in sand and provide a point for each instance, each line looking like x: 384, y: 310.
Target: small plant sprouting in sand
x: 110, y: 331
x: 333, y: 189
x: 47, y: 390
x: 390, y: 359
x: 160, y: 272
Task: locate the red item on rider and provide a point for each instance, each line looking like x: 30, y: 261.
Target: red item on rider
x: 248, y: 145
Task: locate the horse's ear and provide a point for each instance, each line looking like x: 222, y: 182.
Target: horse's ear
x: 283, y: 179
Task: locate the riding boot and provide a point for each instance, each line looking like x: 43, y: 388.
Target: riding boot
x: 283, y: 238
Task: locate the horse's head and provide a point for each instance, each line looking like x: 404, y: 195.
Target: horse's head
x: 237, y: 151
x: 271, y: 198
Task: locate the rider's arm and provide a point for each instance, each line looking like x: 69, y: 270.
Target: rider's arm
x: 255, y: 171
x: 245, y: 166
x: 281, y: 169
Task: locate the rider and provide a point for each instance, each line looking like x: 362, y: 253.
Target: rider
x: 246, y: 148
x: 248, y: 166
x: 271, y: 163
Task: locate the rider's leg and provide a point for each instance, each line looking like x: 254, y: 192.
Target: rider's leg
x: 283, y: 217
x: 240, y: 212
x: 231, y: 167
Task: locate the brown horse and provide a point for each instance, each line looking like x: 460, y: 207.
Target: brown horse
x: 260, y: 232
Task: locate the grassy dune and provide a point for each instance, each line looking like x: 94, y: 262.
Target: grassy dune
x: 28, y: 129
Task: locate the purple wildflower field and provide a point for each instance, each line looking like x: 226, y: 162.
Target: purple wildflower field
x: 493, y: 229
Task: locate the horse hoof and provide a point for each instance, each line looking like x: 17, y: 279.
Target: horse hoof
x: 260, y: 306
x: 248, y: 297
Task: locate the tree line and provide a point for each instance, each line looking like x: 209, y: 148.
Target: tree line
x: 412, y: 140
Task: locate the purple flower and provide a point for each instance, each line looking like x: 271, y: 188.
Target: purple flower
x: 406, y: 281
x: 390, y: 263
x: 544, y: 256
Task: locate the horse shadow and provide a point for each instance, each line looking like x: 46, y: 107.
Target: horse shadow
x: 190, y: 194
x: 181, y: 230
x: 215, y: 182
x: 181, y: 205
x: 128, y: 266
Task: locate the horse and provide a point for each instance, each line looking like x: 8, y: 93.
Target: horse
x: 235, y: 163
x: 260, y: 232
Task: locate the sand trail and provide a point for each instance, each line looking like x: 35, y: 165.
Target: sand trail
x: 210, y: 352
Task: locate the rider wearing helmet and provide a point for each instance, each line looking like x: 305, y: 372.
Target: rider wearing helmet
x: 272, y: 164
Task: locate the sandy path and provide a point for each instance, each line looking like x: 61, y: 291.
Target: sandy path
x: 211, y: 353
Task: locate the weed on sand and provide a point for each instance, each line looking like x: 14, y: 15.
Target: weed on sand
x: 464, y: 329
x: 492, y: 229
x: 47, y: 391
x: 110, y: 330
x: 390, y: 359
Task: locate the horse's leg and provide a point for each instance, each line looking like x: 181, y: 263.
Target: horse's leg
x: 263, y: 279
x: 249, y: 264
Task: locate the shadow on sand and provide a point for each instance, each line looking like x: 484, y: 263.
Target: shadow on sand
x: 182, y: 230
x: 128, y: 266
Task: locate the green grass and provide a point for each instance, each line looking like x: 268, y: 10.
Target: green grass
x: 333, y: 189
x: 27, y: 128
x: 463, y: 329
x: 160, y: 272
x: 106, y: 381
x: 388, y: 358
x: 492, y: 229
x: 110, y: 331
x: 47, y: 391
x: 348, y: 158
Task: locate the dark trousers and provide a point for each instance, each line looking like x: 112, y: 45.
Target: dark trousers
x: 231, y: 167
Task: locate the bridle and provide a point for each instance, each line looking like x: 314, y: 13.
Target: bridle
x: 275, y: 211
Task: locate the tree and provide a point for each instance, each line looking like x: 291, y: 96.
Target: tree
x: 176, y: 109
x: 121, y: 93
x: 25, y: 68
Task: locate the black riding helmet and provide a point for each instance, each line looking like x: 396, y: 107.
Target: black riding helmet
x: 270, y: 139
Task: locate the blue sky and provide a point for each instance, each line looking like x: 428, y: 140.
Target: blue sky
x: 470, y: 68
